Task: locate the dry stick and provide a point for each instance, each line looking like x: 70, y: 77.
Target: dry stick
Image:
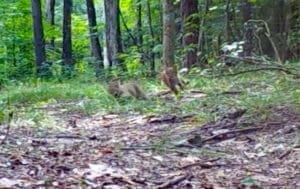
x: 202, y: 165
x: 268, y: 35
x: 258, y: 69
x: 174, y: 181
x: 285, y: 153
x: 232, y: 132
x: 126, y: 27
x: 10, y: 116
x: 6, y: 134
x: 208, y: 165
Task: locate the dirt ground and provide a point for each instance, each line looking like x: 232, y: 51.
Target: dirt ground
x: 144, y: 151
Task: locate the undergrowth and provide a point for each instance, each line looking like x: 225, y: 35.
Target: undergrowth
x: 258, y: 92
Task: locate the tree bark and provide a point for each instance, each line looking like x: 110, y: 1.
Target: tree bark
x: 96, y: 50
x: 248, y: 32
x: 227, y: 22
x: 190, y: 31
x: 68, y: 64
x: 112, y: 31
x: 151, y: 33
x: 201, y: 36
x: 38, y: 33
x: 139, y: 38
x: 50, y: 6
x: 168, y: 33
x: 245, y: 8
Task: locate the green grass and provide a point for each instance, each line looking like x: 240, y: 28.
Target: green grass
x: 260, y: 91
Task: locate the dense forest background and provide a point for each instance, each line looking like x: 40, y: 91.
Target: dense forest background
x: 149, y: 94
x: 207, y: 33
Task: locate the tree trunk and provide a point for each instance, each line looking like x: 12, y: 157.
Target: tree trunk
x: 112, y: 31
x: 279, y: 22
x: 50, y: 5
x: 151, y: 33
x: 38, y: 33
x: 190, y: 32
x: 248, y: 33
x: 201, y: 36
x: 227, y: 22
x: 168, y: 33
x: 68, y: 64
x: 245, y: 8
x: 139, y: 38
x: 96, y: 50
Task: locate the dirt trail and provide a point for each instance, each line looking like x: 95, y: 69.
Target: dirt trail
x: 137, y: 151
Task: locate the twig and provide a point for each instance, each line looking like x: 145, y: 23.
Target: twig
x: 202, y: 165
x: 258, y: 69
x: 231, y: 132
x: 68, y: 137
x: 10, y: 116
x: 286, y: 153
x: 125, y: 26
x: 173, y: 182
x: 268, y: 35
x: 136, y: 148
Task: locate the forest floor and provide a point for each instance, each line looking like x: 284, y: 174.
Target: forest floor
x: 133, y: 150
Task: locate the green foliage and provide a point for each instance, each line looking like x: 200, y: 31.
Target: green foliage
x: 249, y: 182
x: 15, y: 40
x: 260, y: 91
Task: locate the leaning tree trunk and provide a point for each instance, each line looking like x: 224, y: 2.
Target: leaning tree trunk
x: 168, y: 33
x: 68, y: 64
x: 96, y: 50
x: 190, y: 31
x: 50, y: 6
x: 38, y: 35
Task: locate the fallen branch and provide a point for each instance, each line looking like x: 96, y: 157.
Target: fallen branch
x: 258, y: 69
x: 285, y: 153
x: 202, y: 165
x: 231, y: 132
x: 170, y: 118
x: 68, y: 137
x: 10, y: 116
x: 173, y: 182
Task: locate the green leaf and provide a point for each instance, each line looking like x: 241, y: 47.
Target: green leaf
x: 249, y: 181
x: 2, y: 116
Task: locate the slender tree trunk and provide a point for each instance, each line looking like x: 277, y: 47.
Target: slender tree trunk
x: 190, y: 31
x: 151, y: 33
x: 168, y: 33
x: 245, y: 8
x: 96, y: 49
x: 227, y: 22
x: 68, y: 64
x: 39, y: 41
x: 119, y: 34
x: 279, y: 21
x: 134, y: 41
x: 112, y: 31
x: 236, y: 32
x: 50, y: 6
x: 201, y: 36
x: 139, y: 38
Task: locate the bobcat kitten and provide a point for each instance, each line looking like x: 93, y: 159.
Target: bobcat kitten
x: 130, y: 89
